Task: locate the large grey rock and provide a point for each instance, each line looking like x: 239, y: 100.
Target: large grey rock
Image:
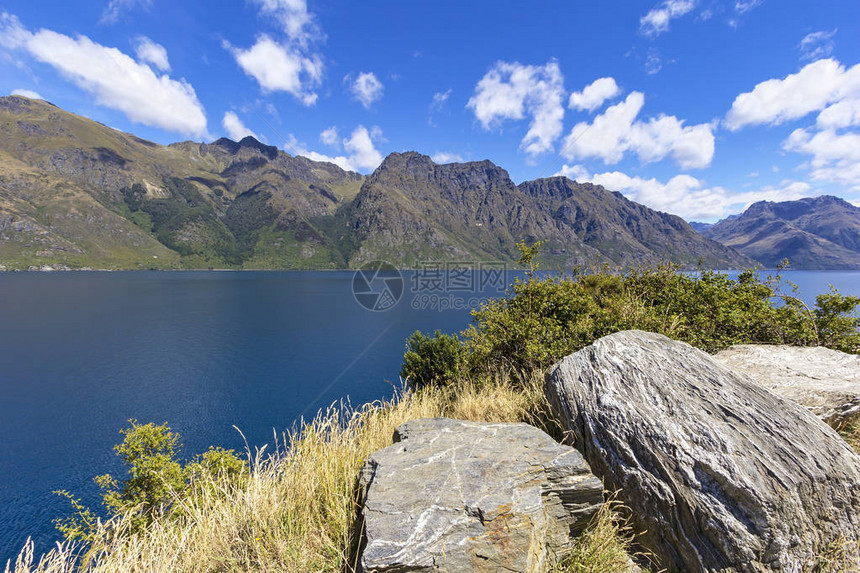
x: 825, y: 381
x: 722, y: 474
x: 451, y: 495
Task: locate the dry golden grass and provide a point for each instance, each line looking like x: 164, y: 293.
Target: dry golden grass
x: 297, y: 509
x: 604, y: 546
x: 850, y: 431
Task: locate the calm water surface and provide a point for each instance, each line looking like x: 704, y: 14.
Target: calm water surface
x: 81, y: 353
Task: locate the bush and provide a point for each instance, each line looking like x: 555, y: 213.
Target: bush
x: 156, y: 479
x: 149, y: 453
x: 543, y: 320
x: 835, y: 322
x: 432, y: 360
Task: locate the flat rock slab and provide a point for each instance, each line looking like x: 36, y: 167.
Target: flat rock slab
x: 451, y: 495
x: 722, y: 474
x: 825, y: 381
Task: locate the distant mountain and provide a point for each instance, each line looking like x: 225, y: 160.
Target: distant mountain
x: 700, y: 227
x: 812, y: 233
x: 75, y: 193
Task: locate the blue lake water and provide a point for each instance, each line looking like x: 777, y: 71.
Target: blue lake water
x: 81, y: 353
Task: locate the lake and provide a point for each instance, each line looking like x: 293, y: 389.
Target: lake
x: 83, y: 352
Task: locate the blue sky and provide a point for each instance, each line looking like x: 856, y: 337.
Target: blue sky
x: 694, y: 107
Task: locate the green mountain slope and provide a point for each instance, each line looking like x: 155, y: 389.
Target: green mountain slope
x: 812, y: 233
x: 75, y: 193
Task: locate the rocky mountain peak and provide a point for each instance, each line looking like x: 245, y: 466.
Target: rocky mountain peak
x: 18, y: 104
x: 248, y: 143
x: 412, y: 168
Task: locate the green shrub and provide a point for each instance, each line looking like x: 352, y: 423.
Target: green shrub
x: 432, y: 360
x: 149, y: 454
x: 156, y: 479
x: 543, y: 320
x: 835, y: 322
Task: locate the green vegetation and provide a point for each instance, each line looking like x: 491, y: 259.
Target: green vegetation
x: 294, y: 509
x: 543, y: 320
x: 184, y: 222
x: 249, y: 213
x: 432, y: 360
x: 250, y: 234
x: 156, y: 480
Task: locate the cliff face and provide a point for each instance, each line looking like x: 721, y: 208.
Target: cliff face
x: 812, y: 233
x: 74, y: 192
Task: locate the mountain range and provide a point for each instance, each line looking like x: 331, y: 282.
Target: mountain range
x: 812, y: 233
x: 77, y: 194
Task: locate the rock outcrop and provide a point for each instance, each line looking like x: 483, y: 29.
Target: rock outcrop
x: 721, y: 474
x: 451, y: 495
x: 825, y: 381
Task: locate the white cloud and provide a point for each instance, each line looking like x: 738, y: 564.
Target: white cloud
x: 277, y: 67
x: 594, y: 95
x: 361, y: 153
x: 813, y: 88
x: 116, y: 8
x: 437, y: 105
x: 330, y: 137
x: 657, y: 20
x: 360, y: 148
x: 744, y: 6
x: 27, y: 93
x: 692, y: 147
x: 826, y: 86
x: 575, y: 172
x: 817, y: 45
x: 653, y: 63
x: 835, y: 156
x: 149, y: 52
x: 826, y: 146
x: 113, y: 78
x: 366, y: 88
x: 606, y: 136
x: 687, y: 196
x: 291, y: 65
x: 442, y: 157
x: 845, y: 113
x: 617, y: 131
x: 297, y: 23
x: 512, y: 91
x: 236, y: 130
x: 13, y: 35
x: 439, y: 99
